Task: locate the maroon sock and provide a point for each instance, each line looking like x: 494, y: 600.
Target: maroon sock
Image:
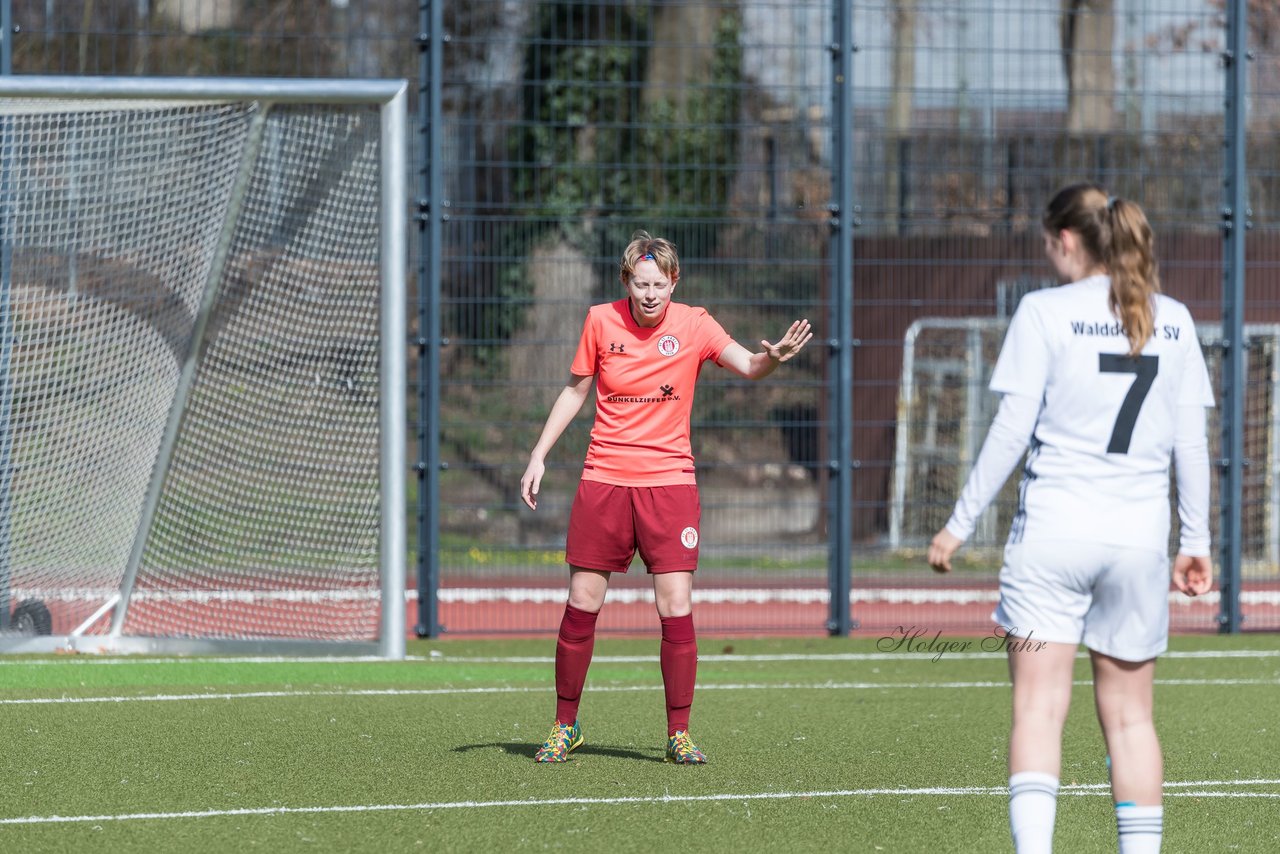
x: 573, y: 656
x: 679, y: 657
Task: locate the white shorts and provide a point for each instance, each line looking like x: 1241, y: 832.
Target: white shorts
x: 1114, y: 600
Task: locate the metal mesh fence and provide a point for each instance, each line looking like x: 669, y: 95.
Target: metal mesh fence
x: 567, y: 125
x: 701, y: 123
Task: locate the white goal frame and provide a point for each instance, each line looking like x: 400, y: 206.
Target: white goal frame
x: 968, y: 367
x: 390, y: 99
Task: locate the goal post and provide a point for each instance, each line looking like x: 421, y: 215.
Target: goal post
x: 202, y: 365
x: 945, y: 408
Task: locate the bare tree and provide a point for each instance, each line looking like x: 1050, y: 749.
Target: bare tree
x: 898, y: 122
x: 688, y: 35
x: 1088, y: 35
x: 1263, y: 19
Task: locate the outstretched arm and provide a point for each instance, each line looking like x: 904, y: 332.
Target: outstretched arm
x: 755, y: 366
x: 567, y: 405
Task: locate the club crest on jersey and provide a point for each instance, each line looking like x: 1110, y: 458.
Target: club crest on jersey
x: 668, y: 345
x: 689, y: 537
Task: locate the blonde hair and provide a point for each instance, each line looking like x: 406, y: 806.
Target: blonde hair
x: 643, y: 245
x: 1115, y: 233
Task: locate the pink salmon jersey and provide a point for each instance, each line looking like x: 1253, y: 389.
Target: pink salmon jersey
x: 645, y: 379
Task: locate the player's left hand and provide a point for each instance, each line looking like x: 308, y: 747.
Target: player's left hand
x: 791, y: 343
x: 1192, y: 575
x: 942, y: 549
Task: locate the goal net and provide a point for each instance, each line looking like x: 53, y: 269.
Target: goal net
x: 201, y: 365
x: 945, y: 408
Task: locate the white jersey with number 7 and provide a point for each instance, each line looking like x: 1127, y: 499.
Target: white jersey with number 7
x: 1098, y: 466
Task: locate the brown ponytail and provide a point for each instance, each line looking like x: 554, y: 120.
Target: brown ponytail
x: 1131, y: 261
x: 1114, y: 232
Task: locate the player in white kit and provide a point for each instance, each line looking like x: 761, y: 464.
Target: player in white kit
x: 1103, y: 384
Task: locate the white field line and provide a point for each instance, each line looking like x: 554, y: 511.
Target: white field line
x: 1198, y: 789
x: 113, y: 660
x: 436, y: 656
x: 595, y: 689
x: 920, y: 653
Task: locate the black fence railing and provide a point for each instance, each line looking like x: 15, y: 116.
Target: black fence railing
x: 551, y: 130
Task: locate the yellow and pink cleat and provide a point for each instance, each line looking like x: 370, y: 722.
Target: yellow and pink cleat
x: 564, y: 739
x: 682, y: 751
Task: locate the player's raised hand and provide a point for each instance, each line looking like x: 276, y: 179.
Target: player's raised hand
x: 790, y: 343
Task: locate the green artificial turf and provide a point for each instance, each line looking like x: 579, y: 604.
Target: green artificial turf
x: 815, y: 744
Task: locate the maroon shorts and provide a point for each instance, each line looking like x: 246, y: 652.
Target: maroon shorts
x: 609, y: 523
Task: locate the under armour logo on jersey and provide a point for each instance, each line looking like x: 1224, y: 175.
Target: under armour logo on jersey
x: 617, y: 348
x: 667, y: 390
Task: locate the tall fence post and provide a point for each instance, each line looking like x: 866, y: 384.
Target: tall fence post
x: 841, y: 463
x: 1235, y: 224
x: 6, y: 332
x: 6, y: 36
x: 430, y: 218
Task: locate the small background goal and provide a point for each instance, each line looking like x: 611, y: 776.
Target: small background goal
x: 945, y: 408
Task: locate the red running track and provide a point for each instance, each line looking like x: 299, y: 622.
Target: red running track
x: 511, y: 606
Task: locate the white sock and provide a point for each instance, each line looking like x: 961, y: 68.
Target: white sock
x: 1140, y: 828
x: 1033, y: 803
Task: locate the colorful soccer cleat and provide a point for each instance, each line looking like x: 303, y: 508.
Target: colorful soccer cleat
x: 682, y: 751
x: 564, y: 739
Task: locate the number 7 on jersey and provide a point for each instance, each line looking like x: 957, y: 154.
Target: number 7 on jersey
x: 1144, y: 369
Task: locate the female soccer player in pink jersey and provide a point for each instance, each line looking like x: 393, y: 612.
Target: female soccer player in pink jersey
x: 1104, y: 379
x: 638, y: 490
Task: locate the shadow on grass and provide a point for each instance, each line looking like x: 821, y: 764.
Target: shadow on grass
x: 528, y: 750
